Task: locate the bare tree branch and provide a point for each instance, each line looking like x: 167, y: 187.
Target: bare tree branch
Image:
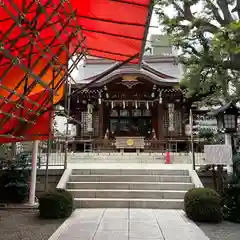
x: 237, y: 8
x: 187, y: 11
x: 223, y: 5
x: 215, y: 11
x: 178, y: 8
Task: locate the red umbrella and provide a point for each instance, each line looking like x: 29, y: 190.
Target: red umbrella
x: 37, y: 39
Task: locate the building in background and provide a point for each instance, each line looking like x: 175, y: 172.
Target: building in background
x: 159, y: 45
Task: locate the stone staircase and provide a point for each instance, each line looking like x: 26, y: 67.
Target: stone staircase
x: 129, y: 188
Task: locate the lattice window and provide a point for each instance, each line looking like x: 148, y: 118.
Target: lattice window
x: 229, y: 121
x: 137, y: 112
x: 171, y: 119
x: 147, y: 113
x: 114, y: 113
x: 165, y: 123
x: 113, y: 125
x: 124, y: 125
x: 84, y: 126
x: 96, y: 123
x: 124, y: 113
x: 177, y: 122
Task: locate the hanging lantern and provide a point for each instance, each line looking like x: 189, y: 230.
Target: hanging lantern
x: 99, y: 97
x: 106, y: 134
x: 227, y: 117
x: 160, y: 97
x: 124, y: 105
x: 147, y: 105
x: 112, y: 105
x: 154, y: 137
x: 136, y: 104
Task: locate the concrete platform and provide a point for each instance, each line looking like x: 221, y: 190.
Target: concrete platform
x: 120, y: 165
x: 128, y: 224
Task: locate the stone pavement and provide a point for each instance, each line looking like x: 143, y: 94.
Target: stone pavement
x: 128, y: 224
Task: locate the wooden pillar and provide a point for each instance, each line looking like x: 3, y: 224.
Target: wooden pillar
x: 154, y: 118
x: 78, y: 127
x: 183, y: 116
x: 160, y: 114
x: 100, y: 119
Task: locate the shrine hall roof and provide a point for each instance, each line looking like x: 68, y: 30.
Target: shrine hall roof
x: 144, y: 70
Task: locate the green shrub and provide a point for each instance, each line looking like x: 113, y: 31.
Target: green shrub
x: 231, y: 197
x: 56, y: 204
x: 14, y: 185
x: 203, y: 205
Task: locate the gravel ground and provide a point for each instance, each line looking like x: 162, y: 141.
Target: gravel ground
x: 221, y: 231
x: 25, y: 225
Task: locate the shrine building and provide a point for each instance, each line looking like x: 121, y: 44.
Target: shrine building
x: 134, y: 108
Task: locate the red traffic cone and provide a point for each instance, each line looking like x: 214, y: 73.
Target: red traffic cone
x: 167, y: 158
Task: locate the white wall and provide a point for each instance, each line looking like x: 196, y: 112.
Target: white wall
x: 90, y: 70
x: 168, y: 68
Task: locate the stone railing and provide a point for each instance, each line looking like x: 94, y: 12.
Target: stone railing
x: 104, y: 145
x: 155, y: 145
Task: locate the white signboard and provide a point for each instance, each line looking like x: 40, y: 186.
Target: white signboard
x: 171, y: 117
x: 89, y: 118
x: 218, y: 154
x: 89, y: 122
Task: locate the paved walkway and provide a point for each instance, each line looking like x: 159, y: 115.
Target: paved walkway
x: 128, y: 224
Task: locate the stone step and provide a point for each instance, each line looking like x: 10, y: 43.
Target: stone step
x: 182, y: 160
x: 129, y: 178
x: 126, y: 193
x: 178, y: 186
x: 128, y: 203
x: 130, y: 172
x: 123, y: 160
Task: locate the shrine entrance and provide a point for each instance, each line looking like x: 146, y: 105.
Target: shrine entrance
x: 129, y: 113
x: 131, y: 121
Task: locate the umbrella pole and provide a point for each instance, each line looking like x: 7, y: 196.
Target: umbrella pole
x: 32, y: 191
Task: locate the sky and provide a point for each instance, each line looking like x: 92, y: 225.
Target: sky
x: 154, y: 29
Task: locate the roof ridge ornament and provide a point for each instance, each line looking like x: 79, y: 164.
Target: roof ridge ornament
x: 129, y: 81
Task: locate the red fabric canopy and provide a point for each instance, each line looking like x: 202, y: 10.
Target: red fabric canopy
x: 113, y: 29
x: 37, y: 37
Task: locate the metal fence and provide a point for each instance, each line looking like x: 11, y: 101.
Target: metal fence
x: 51, y: 154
